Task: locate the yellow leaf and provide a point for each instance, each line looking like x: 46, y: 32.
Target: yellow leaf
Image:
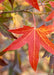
x: 25, y: 3
x: 17, y: 20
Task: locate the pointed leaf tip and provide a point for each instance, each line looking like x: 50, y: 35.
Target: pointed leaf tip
x: 52, y: 3
x: 34, y: 3
x: 34, y: 47
x: 34, y: 37
x: 50, y: 17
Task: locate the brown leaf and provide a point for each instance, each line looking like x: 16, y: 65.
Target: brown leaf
x: 2, y: 53
x: 4, y: 30
x: 11, y: 2
x: 2, y: 61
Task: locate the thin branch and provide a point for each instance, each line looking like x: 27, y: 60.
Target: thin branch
x: 23, y: 10
x: 27, y: 11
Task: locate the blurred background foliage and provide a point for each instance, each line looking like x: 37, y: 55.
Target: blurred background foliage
x: 17, y: 62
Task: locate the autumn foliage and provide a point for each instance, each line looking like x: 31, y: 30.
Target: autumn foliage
x: 34, y: 37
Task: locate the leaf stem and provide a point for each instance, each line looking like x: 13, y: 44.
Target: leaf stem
x: 34, y: 21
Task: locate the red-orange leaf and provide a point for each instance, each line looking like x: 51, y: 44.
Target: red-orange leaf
x: 52, y: 3
x: 50, y: 17
x: 34, y: 3
x: 1, y: 1
x: 34, y: 37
